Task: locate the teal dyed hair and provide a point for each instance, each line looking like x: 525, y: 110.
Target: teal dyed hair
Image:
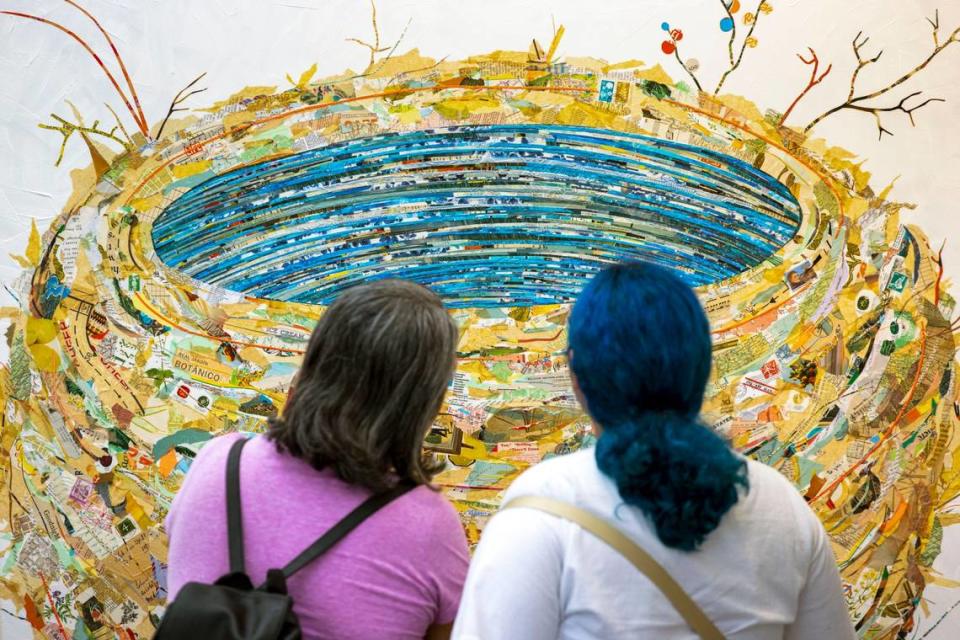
x: 641, y: 354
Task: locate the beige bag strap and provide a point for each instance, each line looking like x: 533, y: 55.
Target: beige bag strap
x: 687, y: 608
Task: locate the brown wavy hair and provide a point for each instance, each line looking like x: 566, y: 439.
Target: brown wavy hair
x: 371, y: 383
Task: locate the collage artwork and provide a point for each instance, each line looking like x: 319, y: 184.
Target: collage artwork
x: 171, y: 300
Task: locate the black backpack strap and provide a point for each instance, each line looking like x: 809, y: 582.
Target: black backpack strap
x: 234, y: 520
x: 338, y: 531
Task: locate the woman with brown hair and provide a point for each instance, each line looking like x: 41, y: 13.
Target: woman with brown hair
x: 372, y: 380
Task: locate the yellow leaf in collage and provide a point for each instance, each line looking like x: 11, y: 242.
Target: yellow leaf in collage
x: 40, y: 330
x: 24, y: 463
x: 306, y: 76
x: 45, y: 358
x: 23, y: 262
x: 144, y: 354
x: 477, y: 369
x: 33, y: 244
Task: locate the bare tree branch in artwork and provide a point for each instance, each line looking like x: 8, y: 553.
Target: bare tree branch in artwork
x: 181, y: 97
x: 130, y: 100
x: 858, y: 44
x: 935, y: 26
x: 67, y: 129
x: 141, y: 124
x: 762, y: 7
x: 396, y: 44
x: 733, y: 30
x: 142, y: 120
x: 854, y: 101
x: 900, y: 106
x: 123, y: 129
x: 815, y: 79
x: 676, y: 54
x: 374, y: 48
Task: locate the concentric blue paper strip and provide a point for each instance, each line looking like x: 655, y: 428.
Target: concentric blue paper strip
x: 486, y: 215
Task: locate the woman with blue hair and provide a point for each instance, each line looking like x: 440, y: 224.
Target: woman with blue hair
x: 725, y: 546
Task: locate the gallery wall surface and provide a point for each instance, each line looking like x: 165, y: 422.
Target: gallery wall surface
x: 500, y: 152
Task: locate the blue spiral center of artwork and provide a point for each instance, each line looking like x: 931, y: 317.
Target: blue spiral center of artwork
x: 485, y: 215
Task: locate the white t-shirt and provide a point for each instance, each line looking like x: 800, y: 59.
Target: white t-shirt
x: 766, y: 573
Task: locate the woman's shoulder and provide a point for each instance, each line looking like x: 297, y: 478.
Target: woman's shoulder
x: 771, y: 492
x: 428, y: 503
x: 522, y: 534
x: 569, y: 477
x: 211, y: 456
x: 773, y: 484
x: 421, y: 517
x: 215, y: 450
x: 206, y: 473
x: 424, y: 523
x: 203, y: 485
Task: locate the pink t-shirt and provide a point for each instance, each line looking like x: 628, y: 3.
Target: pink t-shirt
x: 397, y: 573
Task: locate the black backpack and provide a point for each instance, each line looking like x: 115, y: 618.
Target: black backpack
x: 231, y: 608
